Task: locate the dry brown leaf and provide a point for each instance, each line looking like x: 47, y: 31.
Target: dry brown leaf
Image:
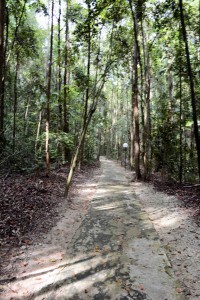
x: 179, y: 290
x: 141, y: 287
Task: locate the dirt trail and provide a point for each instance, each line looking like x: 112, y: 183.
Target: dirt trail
x: 113, y: 252
x: 179, y: 235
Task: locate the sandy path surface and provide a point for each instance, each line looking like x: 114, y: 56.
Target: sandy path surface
x: 178, y: 233
x: 128, y: 245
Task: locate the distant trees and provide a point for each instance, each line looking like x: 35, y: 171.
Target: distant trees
x: 166, y: 105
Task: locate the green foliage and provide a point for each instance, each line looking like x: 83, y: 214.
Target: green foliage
x: 38, y: 6
x: 108, y: 26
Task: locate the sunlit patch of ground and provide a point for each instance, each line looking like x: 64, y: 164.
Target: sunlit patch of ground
x: 179, y: 234
x: 61, y: 274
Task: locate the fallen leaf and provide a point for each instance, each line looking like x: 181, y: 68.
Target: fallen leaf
x: 127, y: 288
x: 53, y: 260
x: 179, y: 290
x: 97, y: 249
x: 141, y: 287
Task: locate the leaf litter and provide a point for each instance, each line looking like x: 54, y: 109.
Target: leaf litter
x: 30, y: 206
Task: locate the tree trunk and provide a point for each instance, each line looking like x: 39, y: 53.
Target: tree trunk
x: 2, y: 62
x: 99, y: 143
x: 83, y: 132
x: 65, y: 151
x: 147, y: 111
x: 192, y: 91
x: 108, y: 143
x: 180, y: 131
x: 75, y: 157
x: 132, y: 127
x: 38, y: 130
x: 15, y: 102
x: 49, y: 94
x: 59, y: 72
x: 26, y: 117
x: 135, y: 96
x: 88, y: 84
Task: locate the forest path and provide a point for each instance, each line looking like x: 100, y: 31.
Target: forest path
x: 115, y: 253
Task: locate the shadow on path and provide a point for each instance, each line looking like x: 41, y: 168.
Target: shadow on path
x: 115, y: 254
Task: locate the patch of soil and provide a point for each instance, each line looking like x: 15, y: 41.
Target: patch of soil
x: 31, y: 205
x: 187, y: 193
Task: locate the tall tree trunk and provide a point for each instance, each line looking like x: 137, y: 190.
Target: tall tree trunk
x: 2, y: 62
x: 15, y: 102
x: 147, y: 122
x: 135, y: 95
x: 99, y: 143
x: 181, y: 144
x: 132, y: 126
x: 192, y: 91
x: 88, y: 83
x: 49, y: 93
x: 147, y: 89
x: 65, y: 151
x: 59, y: 72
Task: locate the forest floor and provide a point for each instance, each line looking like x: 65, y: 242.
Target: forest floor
x: 34, y: 234
x: 31, y: 206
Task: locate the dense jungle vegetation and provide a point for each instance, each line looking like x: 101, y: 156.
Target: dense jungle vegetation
x: 80, y: 78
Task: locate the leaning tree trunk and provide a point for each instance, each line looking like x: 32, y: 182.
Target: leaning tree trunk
x: 2, y: 62
x: 49, y: 94
x: 192, y: 91
x: 83, y: 132
x: 77, y: 152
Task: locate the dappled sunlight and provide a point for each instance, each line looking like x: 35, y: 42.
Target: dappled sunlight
x: 69, y: 274
x: 108, y: 206
x: 84, y: 285
x: 163, y: 215
x: 110, y: 191
x: 86, y: 186
x: 50, y: 264
x: 170, y: 220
